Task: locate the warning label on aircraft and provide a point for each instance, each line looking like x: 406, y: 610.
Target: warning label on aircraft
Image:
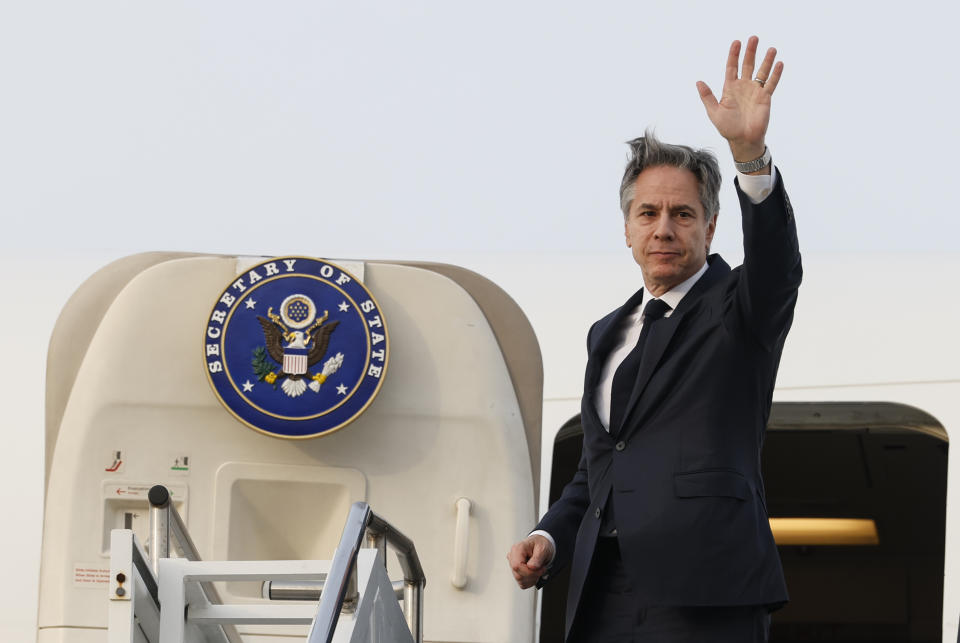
x: 296, y: 347
x: 90, y: 575
x: 114, y: 462
x: 180, y: 465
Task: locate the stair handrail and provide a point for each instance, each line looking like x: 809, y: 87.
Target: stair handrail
x: 166, y: 525
x: 340, y: 587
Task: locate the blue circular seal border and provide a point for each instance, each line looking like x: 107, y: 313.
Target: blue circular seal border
x: 239, y: 356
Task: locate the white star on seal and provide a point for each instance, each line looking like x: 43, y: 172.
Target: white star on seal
x: 251, y: 304
x: 341, y: 390
x: 247, y: 386
x: 344, y: 307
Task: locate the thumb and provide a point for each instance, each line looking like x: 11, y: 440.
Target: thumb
x: 706, y: 95
x: 540, y: 556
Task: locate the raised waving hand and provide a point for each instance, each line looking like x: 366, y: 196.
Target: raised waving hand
x: 743, y: 111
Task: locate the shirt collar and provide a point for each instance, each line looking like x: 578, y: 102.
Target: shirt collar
x: 673, y: 296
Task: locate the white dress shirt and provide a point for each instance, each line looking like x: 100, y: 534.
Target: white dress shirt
x: 629, y: 334
x: 757, y: 187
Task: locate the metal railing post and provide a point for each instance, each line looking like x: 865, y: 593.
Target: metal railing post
x: 413, y: 608
x: 166, y: 525
x: 159, y: 498
x: 378, y: 542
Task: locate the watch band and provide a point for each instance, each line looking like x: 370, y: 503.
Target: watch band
x: 755, y: 164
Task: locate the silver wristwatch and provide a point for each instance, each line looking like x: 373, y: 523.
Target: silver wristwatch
x: 755, y: 164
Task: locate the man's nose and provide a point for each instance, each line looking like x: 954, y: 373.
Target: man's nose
x: 664, y: 229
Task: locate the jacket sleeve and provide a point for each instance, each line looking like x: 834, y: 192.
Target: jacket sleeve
x: 770, y: 277
x: 562, y: 520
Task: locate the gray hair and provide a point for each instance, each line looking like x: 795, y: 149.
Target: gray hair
x: 648, y: 151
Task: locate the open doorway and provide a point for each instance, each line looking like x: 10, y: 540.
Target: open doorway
x: 884, y: 464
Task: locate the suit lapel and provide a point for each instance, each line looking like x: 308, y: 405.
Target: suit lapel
x: 608, y: 337
x: 660, y: 335
x: 597, y: 357
x: 663, y: 330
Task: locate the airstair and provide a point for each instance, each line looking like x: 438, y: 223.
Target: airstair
x: 167, y: 595
x: 449, y: 449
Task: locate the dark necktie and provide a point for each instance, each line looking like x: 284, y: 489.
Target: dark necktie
x: 626, y: 374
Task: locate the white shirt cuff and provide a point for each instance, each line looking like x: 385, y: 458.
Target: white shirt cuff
x: 553, y: 544
x: 757, y: 187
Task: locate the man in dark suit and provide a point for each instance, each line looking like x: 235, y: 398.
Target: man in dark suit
x: 664, y: 525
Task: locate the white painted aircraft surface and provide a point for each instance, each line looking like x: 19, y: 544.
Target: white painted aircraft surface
x: 874, y: 332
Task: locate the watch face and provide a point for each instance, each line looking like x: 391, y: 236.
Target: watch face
x: 296, y: 347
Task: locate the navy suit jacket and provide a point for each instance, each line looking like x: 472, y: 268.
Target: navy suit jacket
x: 683, y: 470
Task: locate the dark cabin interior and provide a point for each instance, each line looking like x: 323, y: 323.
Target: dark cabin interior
x: 878, y: 461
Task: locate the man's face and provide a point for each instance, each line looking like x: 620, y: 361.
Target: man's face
x: 666, y: 228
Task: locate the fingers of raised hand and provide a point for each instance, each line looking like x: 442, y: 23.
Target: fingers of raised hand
x: 733, y: 60
x: 706, y: 95
x: 750, y: 57
x: 764, y: 72
x: 774, y: 78
x: 768, y: 72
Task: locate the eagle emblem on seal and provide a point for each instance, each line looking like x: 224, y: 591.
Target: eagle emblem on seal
x: 295, y: 347
x: 296, y: 341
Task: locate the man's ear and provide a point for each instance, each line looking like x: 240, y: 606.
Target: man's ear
x: 626, y: 234
x: 711, y: 228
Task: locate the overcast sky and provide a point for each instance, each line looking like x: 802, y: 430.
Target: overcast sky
x: 426, y: 130
x: 412, y: 128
